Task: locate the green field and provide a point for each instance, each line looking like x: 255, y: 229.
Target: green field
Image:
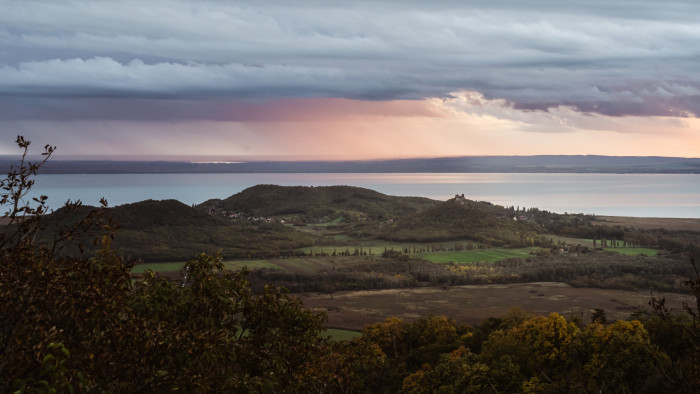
x: 307, y: 264
x: 337, y: 220
x: 589, y: 243
x: 237, y: 265
x: 470, y: 256
x: 311, y: 265
x: 342, y: 238
x: 633, y: 251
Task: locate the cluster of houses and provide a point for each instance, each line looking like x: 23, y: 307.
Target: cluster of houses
x: 243, y: 216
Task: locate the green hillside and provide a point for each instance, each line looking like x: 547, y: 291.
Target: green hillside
x: 170, y: 230
x: 459, y: 218
x: 151, y: 213
x: 324, y: 203
x: 144, y: 214
x: 249, y: 224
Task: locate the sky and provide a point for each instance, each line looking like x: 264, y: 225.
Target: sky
x: 351, y: 79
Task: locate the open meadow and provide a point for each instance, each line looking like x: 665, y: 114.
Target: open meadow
x: 473, y: 304
x: 320, y: 259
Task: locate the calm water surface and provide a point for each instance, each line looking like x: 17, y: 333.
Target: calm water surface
x: 603, y: 194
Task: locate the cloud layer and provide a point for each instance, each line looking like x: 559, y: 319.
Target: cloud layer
x: 160, y: 60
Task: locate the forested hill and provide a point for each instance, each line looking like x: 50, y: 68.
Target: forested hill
x: 467, y: 164
x: 459, y: 218
x: 150, y: 213
x: 172, y: 231
x: 324, y: 202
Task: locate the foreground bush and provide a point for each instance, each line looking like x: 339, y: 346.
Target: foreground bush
x: 74, y: 322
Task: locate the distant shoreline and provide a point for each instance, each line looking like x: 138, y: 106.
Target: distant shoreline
x: 467, y: 164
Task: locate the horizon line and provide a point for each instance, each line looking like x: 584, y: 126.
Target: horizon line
x: 241, y: 159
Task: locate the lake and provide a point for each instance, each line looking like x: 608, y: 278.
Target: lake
x: 603, y: 194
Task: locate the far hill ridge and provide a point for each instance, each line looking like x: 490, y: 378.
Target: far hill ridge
x: 318, y: 203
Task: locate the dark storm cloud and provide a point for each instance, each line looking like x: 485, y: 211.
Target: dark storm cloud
x: 179, y: 60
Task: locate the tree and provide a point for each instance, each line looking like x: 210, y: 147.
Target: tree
x: 345, y: 367
x: 73, y: 321
x: 389, y: 335
x: 621, y: 356
x: 68, y: 308
x: 598, y: 316
x: 678, y: 335
x: 462, y: 371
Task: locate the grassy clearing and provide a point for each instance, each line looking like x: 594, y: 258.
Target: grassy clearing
x: 309, y: 265
x: 340, y: 335
x: 158, y: 267
x: 470, y: 256
x: 312, y: 265
x: 473, y: 304
x: 237, y: 265
x: 633, y: 251
x: 589, y: 243
x: 332, y: 222
x: 342, y: 238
